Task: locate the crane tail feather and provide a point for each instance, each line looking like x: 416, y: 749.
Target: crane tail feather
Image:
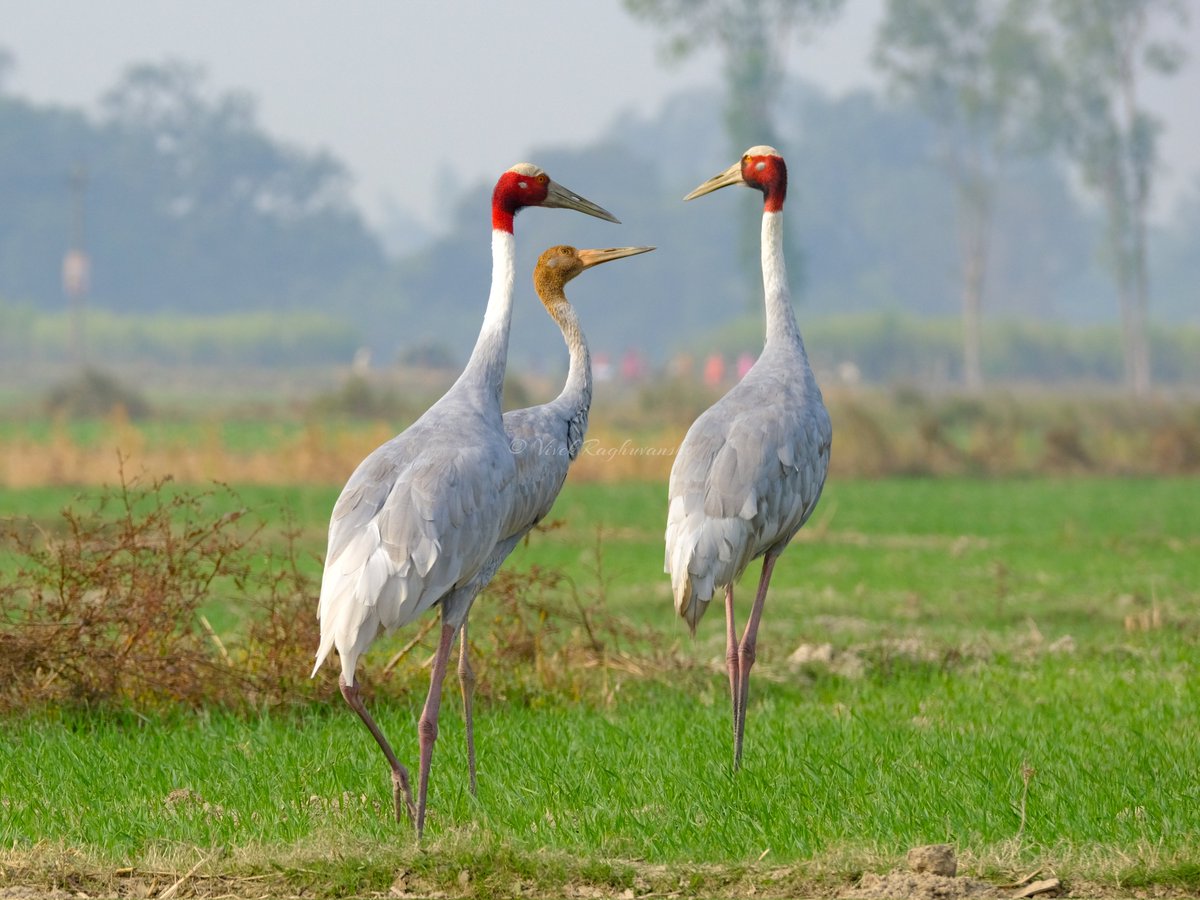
x: 322, y: 653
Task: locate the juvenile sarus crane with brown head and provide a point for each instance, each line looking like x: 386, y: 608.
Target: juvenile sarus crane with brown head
x: 423, y: 514
x: 750, y: 469
x: 544, y: 439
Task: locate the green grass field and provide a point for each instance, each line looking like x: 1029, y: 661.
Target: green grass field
x: 1012, y: 668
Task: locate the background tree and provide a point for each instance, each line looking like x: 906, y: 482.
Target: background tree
x: 191, y: 205
x: 1106, y: 50
x: 974, y: 66
x: 229, y: 215
x: 753, y: 37
x: 1176, y: 262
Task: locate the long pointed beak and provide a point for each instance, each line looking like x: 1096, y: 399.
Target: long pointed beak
x: 591, y: 258
x: 732, y: 175
x: 559, y: 197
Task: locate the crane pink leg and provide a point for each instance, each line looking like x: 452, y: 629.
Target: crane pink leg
x: 466, y: 682
x: 731, y: 658
x: 401, y: 792
x: 746, y: 655
x: 427, y: 725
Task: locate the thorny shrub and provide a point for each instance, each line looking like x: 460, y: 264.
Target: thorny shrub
x: 106, y: 608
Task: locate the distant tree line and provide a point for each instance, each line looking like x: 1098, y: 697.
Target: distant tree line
x: 187, y: 206
x: 192, y: 209
x: 1001, y: 79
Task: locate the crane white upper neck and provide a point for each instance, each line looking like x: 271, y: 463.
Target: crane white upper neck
x: 781, y: 318
x: 485, y: 369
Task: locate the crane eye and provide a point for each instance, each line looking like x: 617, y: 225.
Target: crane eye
x: 565, y: 251
x: 543, y: 178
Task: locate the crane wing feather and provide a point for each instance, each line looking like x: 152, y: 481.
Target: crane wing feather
x: 539, y: 437
x: 746, y: 478
x: 409, y: 527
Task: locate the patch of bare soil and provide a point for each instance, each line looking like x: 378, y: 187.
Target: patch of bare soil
x: 897, y: 885
x: 930, y: 873
x: 931, y: 876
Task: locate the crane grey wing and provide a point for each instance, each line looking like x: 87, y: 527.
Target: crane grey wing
x: 740, y: 486
x: 361, y: 499
x: 706, y: 531
x: 457, y: 604
x: 391, y: 559
x: 541, y: 444
x: 542, y: 452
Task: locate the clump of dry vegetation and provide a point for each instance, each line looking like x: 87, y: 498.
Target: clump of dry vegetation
x: 107, y: 608
x: 634, y: 434
x: 95, y: 393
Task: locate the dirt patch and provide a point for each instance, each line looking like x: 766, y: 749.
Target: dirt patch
x: 919, y: 886
x: 773, y: 885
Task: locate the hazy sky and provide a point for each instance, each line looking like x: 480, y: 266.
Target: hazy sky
x: 404, y: 92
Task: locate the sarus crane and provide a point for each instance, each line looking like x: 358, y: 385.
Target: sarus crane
x: 750, y: 469
x: 544, y: 439
x: 423, y: 513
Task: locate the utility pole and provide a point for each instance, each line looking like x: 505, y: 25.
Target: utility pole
x: 76, y: 267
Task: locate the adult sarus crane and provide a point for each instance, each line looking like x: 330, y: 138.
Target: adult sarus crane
x: 423, y: 513
x: 544, y: 439
x: 750, y: 469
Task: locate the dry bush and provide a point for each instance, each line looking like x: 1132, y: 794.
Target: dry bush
x: 106, y: 608
x: 861, y: 446
x: 1065, y: 450
x: 1175, y: 446
x: 277, y: 651
x: 95, y: 393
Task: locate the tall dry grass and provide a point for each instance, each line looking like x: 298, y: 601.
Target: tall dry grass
x: 634, y: 436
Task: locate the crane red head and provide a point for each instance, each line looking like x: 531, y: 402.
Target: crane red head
x: 527, y: 185
x: 760, y: 167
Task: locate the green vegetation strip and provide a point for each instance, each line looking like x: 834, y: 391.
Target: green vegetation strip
x: 1011, y: 667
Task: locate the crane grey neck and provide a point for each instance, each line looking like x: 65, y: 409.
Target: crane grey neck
x: 781, y: 318
x: 483, y: 378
